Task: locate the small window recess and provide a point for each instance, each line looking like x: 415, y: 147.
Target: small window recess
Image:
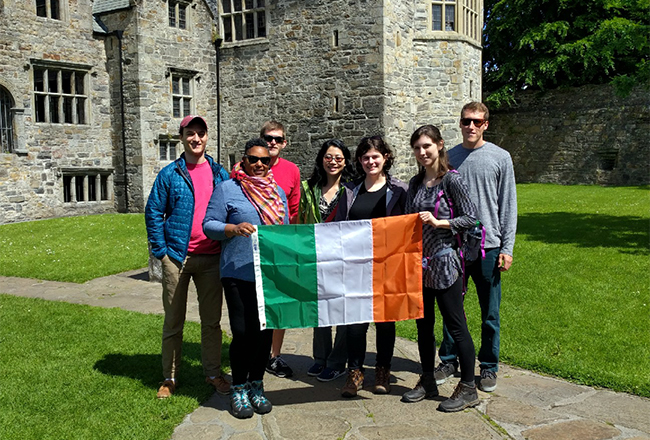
x: 87, y: 185
x: 335, y: 38
x: 168, y: 148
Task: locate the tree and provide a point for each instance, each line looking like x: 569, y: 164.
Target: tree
x: 544, y: 44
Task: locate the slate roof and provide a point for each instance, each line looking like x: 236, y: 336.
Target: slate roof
x: 100, y: 6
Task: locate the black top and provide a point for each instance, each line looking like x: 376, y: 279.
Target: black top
x: 369, y: 204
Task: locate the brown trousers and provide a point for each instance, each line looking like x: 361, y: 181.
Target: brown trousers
x: 204, y: 270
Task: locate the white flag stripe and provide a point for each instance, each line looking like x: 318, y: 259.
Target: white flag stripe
x: 345, y: 257
x: 259, y: 285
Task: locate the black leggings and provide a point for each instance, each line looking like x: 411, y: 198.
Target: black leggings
x: 450, y: 303
x: 356, y: 339
x: 250, y: 346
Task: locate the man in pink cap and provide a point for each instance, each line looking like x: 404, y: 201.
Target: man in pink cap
x: 174, y: 218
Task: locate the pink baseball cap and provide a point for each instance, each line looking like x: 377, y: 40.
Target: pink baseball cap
x: 187, y: 120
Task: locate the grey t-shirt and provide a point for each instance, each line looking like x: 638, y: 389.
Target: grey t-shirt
x: 490, y: 177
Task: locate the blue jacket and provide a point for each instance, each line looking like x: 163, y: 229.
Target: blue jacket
x: 229, y: 205
x: 170, y: 209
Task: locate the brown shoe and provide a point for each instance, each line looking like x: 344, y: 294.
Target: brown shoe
x: 220, y: 384
x: 166, y: 389
x: 353, y: 384
x: 382, y: 380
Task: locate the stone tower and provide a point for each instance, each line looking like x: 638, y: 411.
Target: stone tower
x: 347, y: 69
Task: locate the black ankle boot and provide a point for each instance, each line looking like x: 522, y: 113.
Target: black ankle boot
x: 426, y: 388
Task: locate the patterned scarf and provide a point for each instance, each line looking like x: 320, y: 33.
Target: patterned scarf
x: 263, y: 194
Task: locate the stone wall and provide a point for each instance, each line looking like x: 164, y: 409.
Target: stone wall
x: 586, y: 135
x: 297, y: 75
x: 31, y: 178
x: 429, y: 77
x: 388, y: 75
x: 152, y: 50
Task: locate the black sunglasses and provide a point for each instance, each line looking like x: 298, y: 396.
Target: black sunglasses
x: 278, y: 139
x: 478, y: 123
x: 253, y: 159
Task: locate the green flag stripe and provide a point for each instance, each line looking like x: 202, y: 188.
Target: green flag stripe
x: 289, y: 275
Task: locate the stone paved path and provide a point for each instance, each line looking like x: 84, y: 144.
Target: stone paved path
x: 524, y: 406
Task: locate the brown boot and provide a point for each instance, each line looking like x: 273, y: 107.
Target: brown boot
x: 382, y: 380
x: 353, y: 384
x: 166, y: 389
x: 220, y: 384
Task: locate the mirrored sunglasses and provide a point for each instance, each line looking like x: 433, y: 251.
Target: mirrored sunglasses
x: 477, y: 122
x: 337, y: 159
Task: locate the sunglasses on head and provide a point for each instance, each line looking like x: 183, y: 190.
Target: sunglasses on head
x: 278, y: 139
x: 478, y: 123
x: 253, y: 159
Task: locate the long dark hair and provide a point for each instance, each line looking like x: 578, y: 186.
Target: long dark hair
x: 432, y: 133
x: 319, y: 176
x: 376, y: 142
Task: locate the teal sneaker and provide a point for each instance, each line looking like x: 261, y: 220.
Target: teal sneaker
x: 260, y: 403
x: 239, y: 402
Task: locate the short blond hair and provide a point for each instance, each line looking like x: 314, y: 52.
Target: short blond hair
x: 270, y: 126
x: 478, y: 107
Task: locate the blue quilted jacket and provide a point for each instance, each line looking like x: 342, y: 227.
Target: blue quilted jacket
x: 170, y: 208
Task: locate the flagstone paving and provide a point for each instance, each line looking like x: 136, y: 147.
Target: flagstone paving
x: 524, y: 406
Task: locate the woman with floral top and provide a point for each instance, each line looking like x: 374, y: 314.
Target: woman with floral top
x: 319, y: 197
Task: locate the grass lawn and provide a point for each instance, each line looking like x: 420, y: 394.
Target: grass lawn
x: 75, y: 249
x: 78, y: 372
x: 576, y: 302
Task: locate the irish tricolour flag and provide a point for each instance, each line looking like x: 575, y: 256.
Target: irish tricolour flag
x: 339, y: 273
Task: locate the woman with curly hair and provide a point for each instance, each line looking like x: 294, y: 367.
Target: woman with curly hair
x: 376, y: 194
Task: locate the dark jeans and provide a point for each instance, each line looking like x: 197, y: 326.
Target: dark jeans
x: 250, y: 346
x: 357, y: 344
x: 450, y: 303
x: 332, y: 356
x: 487, y: 279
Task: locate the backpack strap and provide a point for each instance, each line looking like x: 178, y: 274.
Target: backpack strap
x: 447, y: 194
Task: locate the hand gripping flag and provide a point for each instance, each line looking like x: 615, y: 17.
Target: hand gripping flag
x: 339, y: 273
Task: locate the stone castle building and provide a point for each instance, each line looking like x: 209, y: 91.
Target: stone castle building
x: 92, y: 92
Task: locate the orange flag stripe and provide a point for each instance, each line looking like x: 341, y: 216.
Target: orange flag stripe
x: 397, y: 268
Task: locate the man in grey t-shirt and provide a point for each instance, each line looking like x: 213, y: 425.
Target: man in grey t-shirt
x: 489, y: 174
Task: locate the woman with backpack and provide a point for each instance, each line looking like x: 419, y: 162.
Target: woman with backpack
x: 319, y: 197
x: 441, y: 198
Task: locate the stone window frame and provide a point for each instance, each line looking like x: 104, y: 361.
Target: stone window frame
x: 87, y: 185
x: 168, y: 147
x: 51, y: 9
x: 182, y: 98
x: 17, y: 117
x: 72, y: 105
x: 7, y: 134
x: 467, y: 19
x: 178, y: 14
x: 249, y: 17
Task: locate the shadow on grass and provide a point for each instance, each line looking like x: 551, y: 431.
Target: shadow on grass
x: 628, y: 234
x: 147, y: 368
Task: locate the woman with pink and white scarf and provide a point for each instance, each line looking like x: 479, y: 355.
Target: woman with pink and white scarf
x: 250, y: 198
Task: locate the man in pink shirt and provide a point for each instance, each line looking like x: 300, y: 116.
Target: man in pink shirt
x: 174, y: 217
x: 287, y: 175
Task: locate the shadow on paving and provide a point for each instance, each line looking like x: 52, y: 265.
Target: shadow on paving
x: 627, y: 233
x: 147, y: 368
x: 302, y: 389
